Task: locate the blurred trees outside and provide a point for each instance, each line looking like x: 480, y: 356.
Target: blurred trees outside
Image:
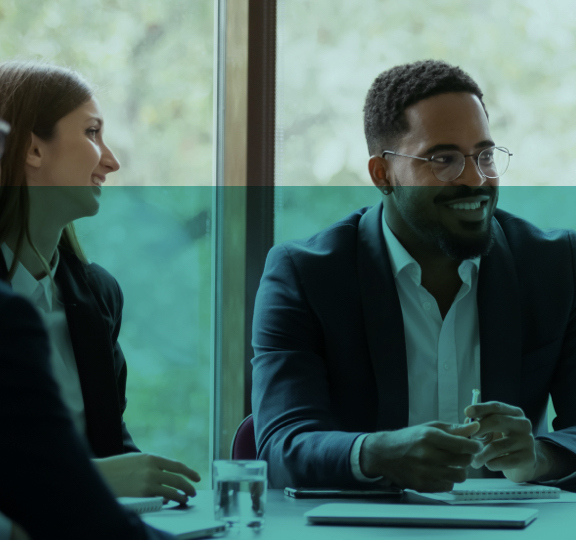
x: 151, y: 65
x: 520, y: 52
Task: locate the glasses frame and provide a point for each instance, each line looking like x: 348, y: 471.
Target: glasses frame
x: 474, y: 156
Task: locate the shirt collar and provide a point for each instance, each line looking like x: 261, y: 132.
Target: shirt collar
x: 39, y: 292
x: 400, y: 259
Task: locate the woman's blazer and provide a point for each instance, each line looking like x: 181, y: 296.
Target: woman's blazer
x: 93, y: 304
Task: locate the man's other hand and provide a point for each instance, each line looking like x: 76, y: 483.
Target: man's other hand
x: 429, y: 457
x: 509, y: 445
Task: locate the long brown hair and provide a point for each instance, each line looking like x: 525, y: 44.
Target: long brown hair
x: 33, y: 97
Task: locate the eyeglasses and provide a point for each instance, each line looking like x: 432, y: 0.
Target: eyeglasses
x: 4, y: 130
x: 448, y: 165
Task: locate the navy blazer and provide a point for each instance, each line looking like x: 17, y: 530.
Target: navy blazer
x: 93, y: 305
x: 47, y: 483
x: 330, y: 355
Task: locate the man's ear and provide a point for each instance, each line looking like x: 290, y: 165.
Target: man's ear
x: 378, y: 167
x: 35, y: 152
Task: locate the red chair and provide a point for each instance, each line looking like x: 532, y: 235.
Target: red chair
x: 244, y: 441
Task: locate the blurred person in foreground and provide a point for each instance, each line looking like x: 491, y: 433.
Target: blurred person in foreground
x: 370, y: 336
x: 53, y: 169
x: 48, y: 485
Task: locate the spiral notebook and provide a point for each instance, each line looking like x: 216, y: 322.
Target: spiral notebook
x: 486, y: 491
x: 141, y: 505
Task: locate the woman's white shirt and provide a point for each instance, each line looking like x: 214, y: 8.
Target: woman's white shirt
x: 41, y: 294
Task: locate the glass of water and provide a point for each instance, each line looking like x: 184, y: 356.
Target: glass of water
x: 240, y: 492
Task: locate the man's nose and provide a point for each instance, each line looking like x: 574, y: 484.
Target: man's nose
x: 471, y: 175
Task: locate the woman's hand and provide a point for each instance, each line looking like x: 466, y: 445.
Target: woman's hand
x: 147, y: 475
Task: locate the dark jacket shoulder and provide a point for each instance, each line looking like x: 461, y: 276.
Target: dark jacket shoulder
x: 337, y: 240
x: 104, y: 286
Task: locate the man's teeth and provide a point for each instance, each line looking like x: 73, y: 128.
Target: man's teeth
x: 465, y: 206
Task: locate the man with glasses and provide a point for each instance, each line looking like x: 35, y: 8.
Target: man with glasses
x: 370, y: 336
x: 48, y: 484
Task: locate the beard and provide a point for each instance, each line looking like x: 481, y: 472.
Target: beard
x: 433, y: 233
x: 459, y: 248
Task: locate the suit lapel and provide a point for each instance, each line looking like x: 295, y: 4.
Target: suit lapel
x: 499, y: 317
x: 93, y: 353
x: 383, y: 322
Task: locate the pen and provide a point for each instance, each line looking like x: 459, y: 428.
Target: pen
x: 475, y: 400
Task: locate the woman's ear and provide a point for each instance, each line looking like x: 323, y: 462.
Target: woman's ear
x: 35, y: 152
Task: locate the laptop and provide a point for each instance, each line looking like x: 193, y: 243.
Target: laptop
x: 185, y: 524
x: 405, y: 515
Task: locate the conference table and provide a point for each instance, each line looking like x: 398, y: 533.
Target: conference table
x: 285, y: 520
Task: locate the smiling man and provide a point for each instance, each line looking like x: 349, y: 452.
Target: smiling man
x: 370, y: 336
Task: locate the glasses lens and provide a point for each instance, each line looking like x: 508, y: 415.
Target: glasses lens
x: 447, y: 166
x: 493, y: 162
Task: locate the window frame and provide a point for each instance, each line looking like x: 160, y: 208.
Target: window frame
x: 243, y: 200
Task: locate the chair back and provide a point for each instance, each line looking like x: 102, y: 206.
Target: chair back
x: 244, y: 441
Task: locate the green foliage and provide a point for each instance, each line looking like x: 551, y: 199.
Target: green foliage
x: 519, y: 51
x: 329, y: 52
x: 151, y: 64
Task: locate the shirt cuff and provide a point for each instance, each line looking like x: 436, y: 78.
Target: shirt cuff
x: 355, y: 461
x: 5, y: 527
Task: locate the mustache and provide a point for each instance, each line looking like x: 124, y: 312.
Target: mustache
x: 450, y: 193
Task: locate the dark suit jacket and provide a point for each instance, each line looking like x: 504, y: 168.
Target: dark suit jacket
x: 93, y: 304
x: 47, y: 483
x: 330, y: 356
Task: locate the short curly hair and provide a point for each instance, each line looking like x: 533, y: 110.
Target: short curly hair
x: 396, y: 89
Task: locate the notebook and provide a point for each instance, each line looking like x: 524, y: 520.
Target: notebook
x: 140, y: 505
x: 404, y: 515
x: 495, y: 491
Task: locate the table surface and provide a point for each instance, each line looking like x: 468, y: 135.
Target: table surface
x: 285, y: 519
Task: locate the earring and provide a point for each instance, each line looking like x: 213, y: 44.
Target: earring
x: 386, y: 191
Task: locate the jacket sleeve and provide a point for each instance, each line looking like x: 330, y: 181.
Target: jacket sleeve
x: 121, y: 371
x: 47, y: 483
x: 296, y: 430
x: 563, y: 385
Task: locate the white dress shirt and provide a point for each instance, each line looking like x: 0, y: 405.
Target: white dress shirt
x: 443, y: 356
x: 40, y: 293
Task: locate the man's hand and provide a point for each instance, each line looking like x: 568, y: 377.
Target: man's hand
x: 509, y: 445
x: 147, y: 475
x: 429, y: 457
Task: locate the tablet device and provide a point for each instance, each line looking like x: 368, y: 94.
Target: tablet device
x: 184, y: 524
x: 416, y: 515
x: 340, y: 493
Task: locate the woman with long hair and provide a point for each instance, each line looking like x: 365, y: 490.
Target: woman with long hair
x: 52, y: 172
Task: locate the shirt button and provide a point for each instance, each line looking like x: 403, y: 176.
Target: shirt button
x: 446, y: 367
x: 427, y: 306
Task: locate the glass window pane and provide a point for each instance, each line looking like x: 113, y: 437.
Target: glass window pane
x: 518, y: 51
x: 151, y: 63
